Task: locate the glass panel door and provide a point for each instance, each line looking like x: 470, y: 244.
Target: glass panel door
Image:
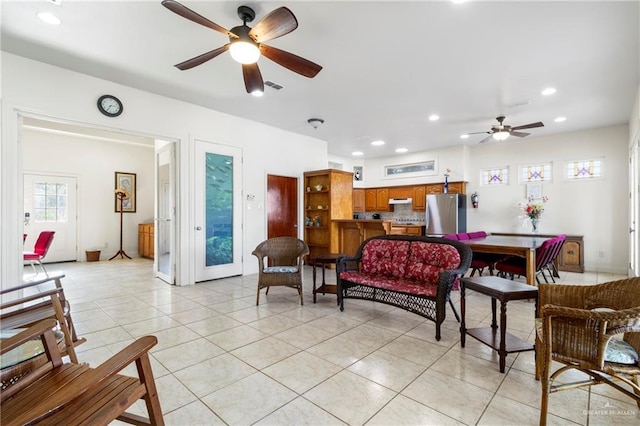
x: 164, y: 259
x: 218, y: 211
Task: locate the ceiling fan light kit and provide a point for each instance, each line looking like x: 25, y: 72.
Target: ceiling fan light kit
x: 246, y: 43
x: 315, y: 122
x: 503, y: 131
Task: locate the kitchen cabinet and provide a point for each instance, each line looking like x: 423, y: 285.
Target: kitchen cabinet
x: 376, y: 200
x: 419, y: 198
x: 401, y: 192
x: 454, y: 188
x: 407, y: 230
x: 145, y: 240
x: 328, y: 196
x: 358, y: 200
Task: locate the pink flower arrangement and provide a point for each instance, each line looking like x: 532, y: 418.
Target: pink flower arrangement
x: 534, y: 210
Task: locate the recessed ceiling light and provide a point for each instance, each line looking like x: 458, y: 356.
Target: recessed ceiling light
x: 401, y: 150
x: 357, y: 153
x: 377, y: 143
x: 49, y: 18
x: 465, y: 136
x: 549, y: 91
x: 560, y: 119
x: 434, y: 117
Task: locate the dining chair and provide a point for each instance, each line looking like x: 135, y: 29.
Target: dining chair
x: 555, y: 252
x: 283, y: 265
x: 477, y: 234
x: 451, y: 236
x: 515, y: 265
x: 40, y: 250
x: 592, y: 329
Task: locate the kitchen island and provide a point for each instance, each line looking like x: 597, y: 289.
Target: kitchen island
x: 352, y: 232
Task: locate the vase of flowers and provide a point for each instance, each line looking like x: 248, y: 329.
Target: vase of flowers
x: 533, y: 211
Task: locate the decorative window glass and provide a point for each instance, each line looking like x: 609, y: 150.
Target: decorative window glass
x: 408, y: 170
x: 586, y: 169
x: 50, y: 201
x: 535, y: 173
x: 499, y: 176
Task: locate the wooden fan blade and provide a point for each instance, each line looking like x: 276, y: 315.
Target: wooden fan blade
x: 279, y: 22
x: 201, y: 59
x: 252, y: 78
x: 290, y: 61
x: 528, y: 126
x: 487, y: 139
x: 189, y: 14
x: 519, y: 134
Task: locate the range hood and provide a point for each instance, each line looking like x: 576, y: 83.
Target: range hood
x: 400, y: 200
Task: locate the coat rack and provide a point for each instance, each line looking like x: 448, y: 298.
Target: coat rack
x: 121, y: 194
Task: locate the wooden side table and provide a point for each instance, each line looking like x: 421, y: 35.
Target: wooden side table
x: 496, y: 336
x: 323, y: 260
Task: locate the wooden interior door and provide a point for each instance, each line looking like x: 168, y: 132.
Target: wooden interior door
x: 282, y: 206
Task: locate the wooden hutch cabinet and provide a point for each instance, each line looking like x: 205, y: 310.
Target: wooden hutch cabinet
x: 328, y: 196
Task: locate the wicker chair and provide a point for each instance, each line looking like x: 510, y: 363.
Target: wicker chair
x: 283, y: 267
x: 577, y: 323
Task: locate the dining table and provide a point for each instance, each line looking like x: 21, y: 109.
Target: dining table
x: 521, y: 245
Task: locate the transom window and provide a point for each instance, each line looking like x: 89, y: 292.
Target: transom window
x: 498, y: 176
x: 50, y: 202
x: 535, y: 173
x: 586, y: 169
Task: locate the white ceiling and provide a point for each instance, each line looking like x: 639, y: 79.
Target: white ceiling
x: 387, y: 65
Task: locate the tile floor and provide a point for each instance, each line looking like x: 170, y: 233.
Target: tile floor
x: 222, y: 360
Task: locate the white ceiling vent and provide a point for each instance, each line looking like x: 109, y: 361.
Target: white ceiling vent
x: 273, y: 85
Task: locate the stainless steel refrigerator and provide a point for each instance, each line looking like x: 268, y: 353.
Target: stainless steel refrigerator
x: 446, y: 214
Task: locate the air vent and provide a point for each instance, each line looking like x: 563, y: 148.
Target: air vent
x: 273, y: 85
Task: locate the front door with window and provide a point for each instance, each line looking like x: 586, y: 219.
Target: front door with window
x: 50, y: 204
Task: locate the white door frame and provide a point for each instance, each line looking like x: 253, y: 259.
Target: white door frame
x: 165, y: 215
x: 634, y: 207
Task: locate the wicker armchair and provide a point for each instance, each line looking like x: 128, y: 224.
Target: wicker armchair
x: 577, y: 324
x: 283, y: 267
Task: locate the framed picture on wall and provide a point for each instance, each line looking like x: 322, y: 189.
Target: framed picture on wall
x: 126, y: 182
x: 534, y: 191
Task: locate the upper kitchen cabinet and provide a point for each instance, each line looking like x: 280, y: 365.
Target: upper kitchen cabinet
x: 358, y: 200
x: 376, y: 200
x: 454, y: 188
x: 419, y: 198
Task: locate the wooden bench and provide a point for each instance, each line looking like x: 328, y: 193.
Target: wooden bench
x: 48, y: 302
x: 71, y: 394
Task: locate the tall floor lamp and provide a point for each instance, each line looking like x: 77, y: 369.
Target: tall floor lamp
x: 121, y: 194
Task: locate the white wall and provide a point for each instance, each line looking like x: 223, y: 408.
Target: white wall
x: 94, y: 163
x: 34, y: 88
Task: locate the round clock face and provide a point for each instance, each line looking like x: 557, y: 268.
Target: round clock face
x: 110, y: 106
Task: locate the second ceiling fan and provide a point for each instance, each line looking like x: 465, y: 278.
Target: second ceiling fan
x: 503, y: 131
x: 246, y: 43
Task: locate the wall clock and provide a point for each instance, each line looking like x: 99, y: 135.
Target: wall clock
x: 110, y: 106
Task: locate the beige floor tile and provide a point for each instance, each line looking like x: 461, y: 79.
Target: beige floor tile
x: 402, y: 411
x: 351, y: 398
x: 612, y: 412
x: 248, y: 400
x: 265, y: 352
x: 302, y: 371
x: 437, y: 391
x: 415, y: 350
x: 213, y: 374
x: 194, y: 314
x: 507, y: 412
x: 187, y: 354
x: 388, y: 370
x: 237, y: 337
x: 173, y: 337
x: 274, y: 324
x: 370, y: 336
x: 150, y: 326
x: 468, y: 368
x: 340, y: 351
x: 300, y: 412
x: 212, y: 325
x: 304, y: 336
x: 173, y: 394
x: 194, y: 414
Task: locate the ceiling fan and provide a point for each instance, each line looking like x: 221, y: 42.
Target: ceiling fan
x: 503, y: 131
x: 246, y: 43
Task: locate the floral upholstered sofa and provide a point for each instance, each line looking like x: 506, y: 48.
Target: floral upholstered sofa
x: 411, y: 272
